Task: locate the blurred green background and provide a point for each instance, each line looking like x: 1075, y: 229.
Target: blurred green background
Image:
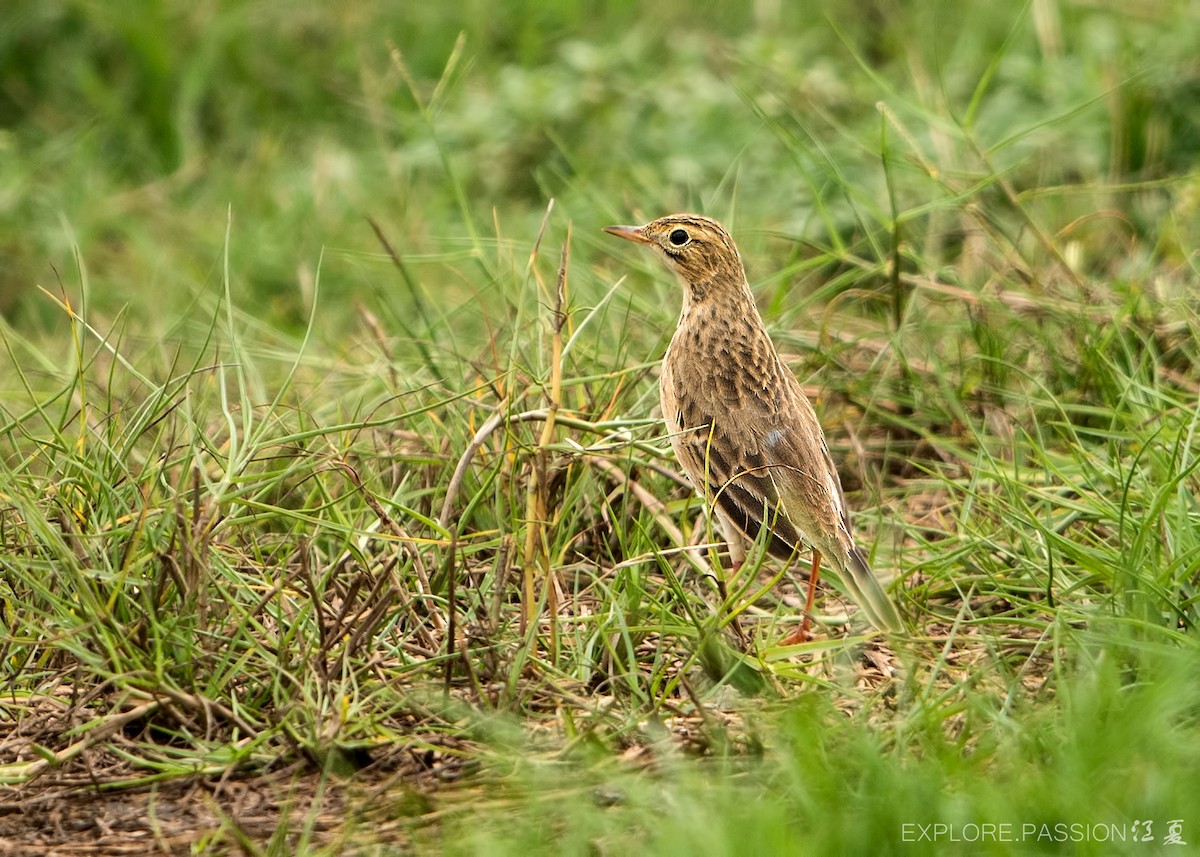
x: 129, y: 129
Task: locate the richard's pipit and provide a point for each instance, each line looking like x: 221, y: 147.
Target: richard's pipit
x: 740, y: 425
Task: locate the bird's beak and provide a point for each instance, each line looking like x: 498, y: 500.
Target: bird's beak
x: 629, y: 233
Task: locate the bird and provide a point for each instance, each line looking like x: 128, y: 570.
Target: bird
x: 743, y: 430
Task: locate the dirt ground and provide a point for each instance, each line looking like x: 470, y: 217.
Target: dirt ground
x: 63, y: 816
x: 60, y: 817
x: 98, y: 804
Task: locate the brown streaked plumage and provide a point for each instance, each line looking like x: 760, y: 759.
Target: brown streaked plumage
x: 739, y: 423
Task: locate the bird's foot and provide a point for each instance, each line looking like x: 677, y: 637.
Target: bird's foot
x: 800, y: 635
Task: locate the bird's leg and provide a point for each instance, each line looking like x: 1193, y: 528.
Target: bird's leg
x: 735, y: 565
x: 813, y: 574
x: 737, y: 557
x: 802, y: 635
x: 737, y: 546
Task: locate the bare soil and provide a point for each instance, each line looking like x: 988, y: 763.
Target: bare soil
x: 98, y: 803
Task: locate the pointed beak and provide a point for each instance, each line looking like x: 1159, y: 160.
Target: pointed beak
x: 629, y: 233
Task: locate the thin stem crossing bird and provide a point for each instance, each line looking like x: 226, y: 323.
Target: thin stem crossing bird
x: 739, y: 423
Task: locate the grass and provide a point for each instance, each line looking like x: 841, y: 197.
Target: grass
x: 336, y: 514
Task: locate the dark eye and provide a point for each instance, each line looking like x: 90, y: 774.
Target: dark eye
x: 679, y: 237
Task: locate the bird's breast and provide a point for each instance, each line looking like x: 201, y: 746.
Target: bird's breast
x: 728, y: 362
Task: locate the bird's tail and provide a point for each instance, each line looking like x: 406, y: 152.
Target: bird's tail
x: 866, y: 590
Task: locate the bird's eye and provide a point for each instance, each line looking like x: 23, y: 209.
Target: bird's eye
x: 679, y: 237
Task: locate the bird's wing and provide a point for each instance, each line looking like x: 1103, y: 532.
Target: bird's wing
x: 763, y: 458
x: 730, y: 458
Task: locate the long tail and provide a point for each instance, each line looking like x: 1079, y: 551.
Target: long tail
x: 868, y: 593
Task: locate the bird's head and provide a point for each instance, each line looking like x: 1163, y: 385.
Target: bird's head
x: 696, y: 248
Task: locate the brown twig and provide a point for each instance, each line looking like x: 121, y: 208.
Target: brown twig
x: 537, y: 498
